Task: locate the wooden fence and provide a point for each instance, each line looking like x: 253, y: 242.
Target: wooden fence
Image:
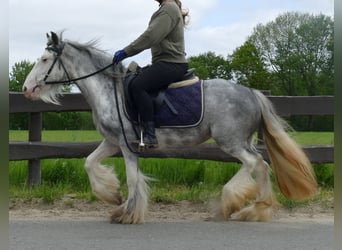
x: 35, y: 149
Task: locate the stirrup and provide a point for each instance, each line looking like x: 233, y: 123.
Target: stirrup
x: 139, y: 144
x: 141, y: 147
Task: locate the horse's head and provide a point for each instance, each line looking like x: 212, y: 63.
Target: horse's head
x: 47, y: 68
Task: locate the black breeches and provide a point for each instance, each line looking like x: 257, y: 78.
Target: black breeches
x: 158, y: 76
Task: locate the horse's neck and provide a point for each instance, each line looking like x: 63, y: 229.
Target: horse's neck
x: 98, y: 90
x: 94, y: 89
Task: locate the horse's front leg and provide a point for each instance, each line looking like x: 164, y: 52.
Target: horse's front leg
x: 104, y: 183
x: 134, y: 209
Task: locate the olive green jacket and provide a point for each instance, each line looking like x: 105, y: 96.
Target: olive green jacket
x: 164, y: 35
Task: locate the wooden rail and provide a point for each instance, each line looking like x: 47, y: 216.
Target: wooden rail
x: 34, y: 149
x: 285, y: 105
x: 205, y: 151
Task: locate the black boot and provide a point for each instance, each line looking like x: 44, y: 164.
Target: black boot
x: 150, y: 138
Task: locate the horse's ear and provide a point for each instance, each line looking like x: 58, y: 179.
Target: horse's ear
x: 54, y: 38
x: 49, y: 41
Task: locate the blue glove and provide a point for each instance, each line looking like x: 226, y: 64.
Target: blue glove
x: 119, y: 56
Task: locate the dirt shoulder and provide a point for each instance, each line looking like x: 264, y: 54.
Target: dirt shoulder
x: 70, y: 208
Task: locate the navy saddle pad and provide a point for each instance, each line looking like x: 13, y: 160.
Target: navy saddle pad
x: 187, y: 107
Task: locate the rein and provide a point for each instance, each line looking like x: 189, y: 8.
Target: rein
x: 70, y: 81
x: 121, y: 122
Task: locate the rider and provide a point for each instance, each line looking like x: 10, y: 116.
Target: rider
x: 165, y: 37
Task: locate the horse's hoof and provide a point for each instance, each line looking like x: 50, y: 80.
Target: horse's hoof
x: 123, y: 216
x: 255, y: 212
x: 116, y: 215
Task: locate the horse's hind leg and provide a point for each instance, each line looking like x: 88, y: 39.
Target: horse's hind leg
x: 104, y: 183
x: 134, y: 209
x: 242, y: 187
x: 262, y: 208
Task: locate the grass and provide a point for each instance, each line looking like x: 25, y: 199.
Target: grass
x: 314, y: 138
x: 58, y: 136
x: 176, y: 179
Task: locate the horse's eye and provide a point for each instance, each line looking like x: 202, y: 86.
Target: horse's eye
x: 44, y: 59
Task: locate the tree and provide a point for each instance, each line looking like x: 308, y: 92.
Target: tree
x: 317, y: 54
x: 210, y: 66
x: 18, y: 75
x: 248, y: 67
x: 298, y: 50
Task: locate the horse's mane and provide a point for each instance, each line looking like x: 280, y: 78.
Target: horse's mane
x: 99, y: 58
x: 90, y: 48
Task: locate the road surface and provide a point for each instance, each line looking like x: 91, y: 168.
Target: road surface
x: 91, y: 235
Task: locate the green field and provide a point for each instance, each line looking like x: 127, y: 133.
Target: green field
x: 176, y: 179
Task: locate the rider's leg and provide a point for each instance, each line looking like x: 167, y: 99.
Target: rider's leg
x: 158, y: 76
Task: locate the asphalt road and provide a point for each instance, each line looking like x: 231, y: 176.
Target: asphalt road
x: 89, y: 235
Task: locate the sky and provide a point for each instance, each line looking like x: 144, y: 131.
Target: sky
x: 219, y: 26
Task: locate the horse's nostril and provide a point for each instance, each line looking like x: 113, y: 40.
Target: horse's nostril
x: 24, y: 89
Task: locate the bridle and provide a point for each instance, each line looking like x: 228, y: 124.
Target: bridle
x: 58, y: 50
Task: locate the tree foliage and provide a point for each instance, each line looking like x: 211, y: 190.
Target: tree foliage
x: 248, y: 67
x: 209, y: 66
x: 18, y: 75
x: 298, y: 50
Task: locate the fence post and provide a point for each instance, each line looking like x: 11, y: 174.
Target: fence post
x: 35, y: 134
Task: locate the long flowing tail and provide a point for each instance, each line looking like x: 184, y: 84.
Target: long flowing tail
x: 294, y: 173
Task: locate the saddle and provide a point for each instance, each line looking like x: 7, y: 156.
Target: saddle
x: 161, y: 99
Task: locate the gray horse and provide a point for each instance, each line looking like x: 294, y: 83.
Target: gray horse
x: 232, y: 115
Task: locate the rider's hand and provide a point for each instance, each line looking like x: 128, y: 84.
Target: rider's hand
x: 119, y: 56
